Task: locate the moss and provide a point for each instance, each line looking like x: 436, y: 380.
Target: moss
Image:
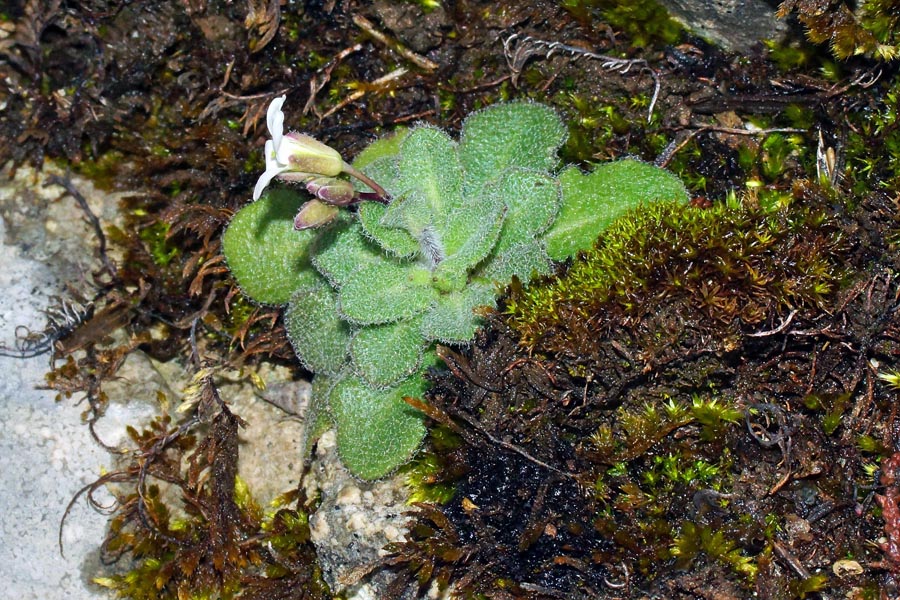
x: 732, y: 261
x: 645, y: 22
x: 430, y: 476
x: 191, y: 528
x: 160, y: 247
x: 694, y: 540
x: 871, y: 27
x: 593, y: 127
x: 872, y: 147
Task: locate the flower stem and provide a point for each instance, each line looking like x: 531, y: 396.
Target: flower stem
x: 366, y: 180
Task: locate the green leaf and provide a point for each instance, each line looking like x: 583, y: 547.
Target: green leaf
x: 590, y: 202
x: 532, y: 200
x: 385, y: 354
x: 319, y: 336
x: 267, y: 257
x: 430, y: 181
x: 384, y: 171
x: 394, y: 241
x: 429, y: 163
x: 376, y: 430
x: 517, y: 134
x: 473, y: 230
x: 317, y: 419
x: 387, y: 146
x: 341, y: 250
x: 453, y: 320
x: 523, y: 260
x: 385, y: 292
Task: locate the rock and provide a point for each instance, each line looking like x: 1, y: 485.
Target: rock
x: 734, y: 25
x: 354, y: 521
x: 46, y: 451
x: 421, y: 31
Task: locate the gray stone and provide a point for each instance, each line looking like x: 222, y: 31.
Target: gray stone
x: 46, y: 451
x: 421, y: 30
x: 734, y: 25
x: 353, y: 522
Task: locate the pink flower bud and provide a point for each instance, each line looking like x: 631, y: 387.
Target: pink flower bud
x: 337, y: 192
x: 315, y: 214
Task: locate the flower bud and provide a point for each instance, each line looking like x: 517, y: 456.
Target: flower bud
x: 314, y: 214
x: 308, y: 155
x: 330, y: 190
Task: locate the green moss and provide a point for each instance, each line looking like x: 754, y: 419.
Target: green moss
x: 793, y: 55
x: 158, y: 244
x: 810, y: 585
x: 594, y: 125
x: 423, y: 478
x: 717, y: 545
x: 203, y: 539
x: 103, y: 170
x: 714, y: 416
x: 832, y: 406
x: 871, y: 28
x: 645, y: 22
x: 872, y: 148
x: 736, y: 260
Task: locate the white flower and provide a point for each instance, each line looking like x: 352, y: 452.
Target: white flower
x: 295, y: 153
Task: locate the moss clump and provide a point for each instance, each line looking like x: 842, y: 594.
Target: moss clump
x: 651, y: 438
x: 873, y: 144
x: 189, y: 524
x: 872, y: 28
x: 717, y: 545
x: 735, y: 260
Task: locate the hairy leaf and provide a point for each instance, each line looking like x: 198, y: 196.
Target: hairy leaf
x: 590, y: 202
x: 523, y: 260
x: 385, y: 354
x: 317, y: 419
x: 318, y: 334
x: 517, y: 134
x: 342, y: 249
x: 453, y: 320
x: 268, y: 258
x: 430, y: 181
x: 376, y: 430
x: 475, y: 230
x: 394, y: 240
x: 386, y: 292
x: 429, y: 163
x: 384, y: 171
x: 388, y: 146
x: 532, y: 201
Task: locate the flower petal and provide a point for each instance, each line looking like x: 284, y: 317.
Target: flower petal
x: 275, y: 120
x: 307, y: 154
x: 265, y: 179
x: 272, y: 157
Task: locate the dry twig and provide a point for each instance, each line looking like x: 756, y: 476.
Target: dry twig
x: 518, y: 49
x: 382, y: 38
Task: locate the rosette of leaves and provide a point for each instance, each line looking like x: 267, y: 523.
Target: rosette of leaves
x: 369, y: 296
